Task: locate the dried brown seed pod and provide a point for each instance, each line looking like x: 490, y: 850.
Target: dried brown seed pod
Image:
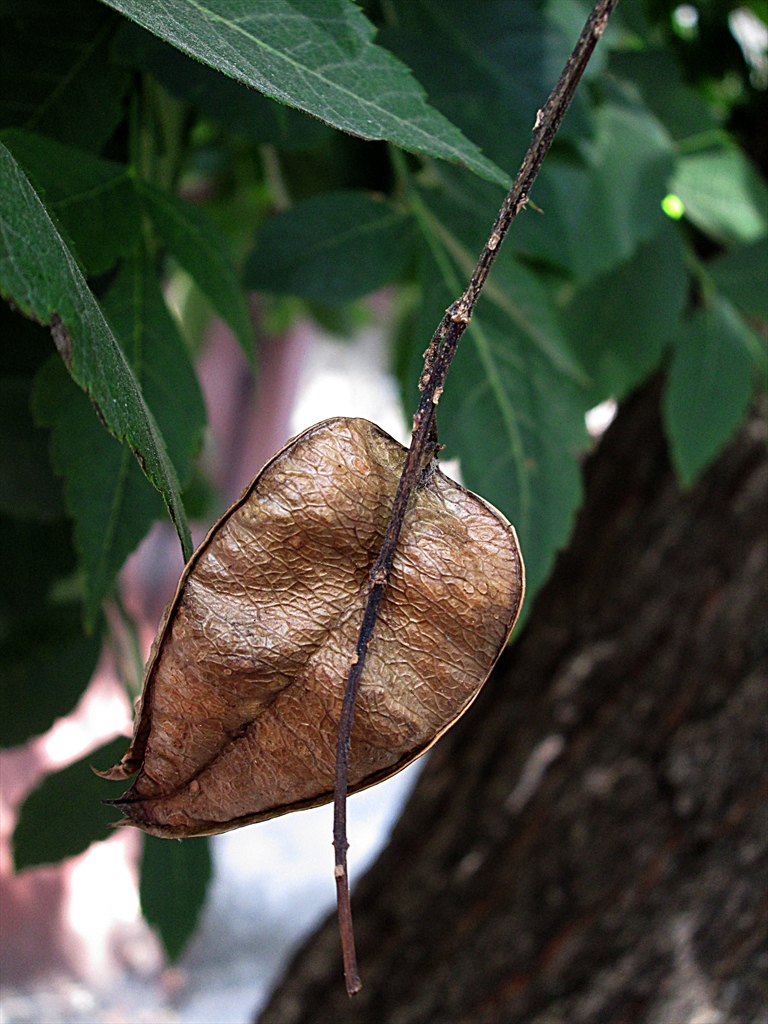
x: 240, y: 707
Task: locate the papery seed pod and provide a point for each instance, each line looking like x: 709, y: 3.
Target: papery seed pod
x: 242, y: 693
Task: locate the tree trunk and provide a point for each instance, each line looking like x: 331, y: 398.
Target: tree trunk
x: 589, y: 843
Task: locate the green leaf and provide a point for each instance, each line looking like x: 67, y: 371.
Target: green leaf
x: 319, y: 56
x: 36, y: 556
x: 741, y: 276
x: 28, y: 488
x: 683, y: 112
x: 223, y: 99
x: 616, y: 204
x: 174, y: 880
x: 46, y: 663
x: 110, y: 500
x: 66, y: 813
x: 56, y: 75
x: 39, y: 275
x: 516, y: 426
x: 333, y: 248
x: 723, y: 194
x: 620, y: 324
x: 92, y: 200
x: 159, y: 356
x: 512, y: 416
x: 591, y: 211
x: 488, y: 67
x: 709, y: 387
x: 199, y: 246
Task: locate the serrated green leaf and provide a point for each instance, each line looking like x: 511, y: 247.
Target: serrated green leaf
x: 46, y: 663
x: 40, y: 276
x: 709, y: 386
x: 111, y: 502
x: 516, y: 426
x: 160, y: 358
x: 56, y: 75
x: 333, y: 248
x: 93, y: 200
x: 741, y: 275
x: 174, y: 880
x: 66, y: 813
x: 319, y: 56
x: 619, y: 325
x: 521, y: 295
x: 722, y: 194
x: 226, y: 101
x: 199, y: 246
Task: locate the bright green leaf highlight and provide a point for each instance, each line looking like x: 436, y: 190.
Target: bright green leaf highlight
x: 673, y: 206
x: 709, y: 387
x: 174, y: 880
x: 723, y: 194
x: 319, y: 56
x: 40, y: 276
x: 333, y: 248
x: 66, y: 813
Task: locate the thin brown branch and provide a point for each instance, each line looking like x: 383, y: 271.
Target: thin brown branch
x: 423, y: 446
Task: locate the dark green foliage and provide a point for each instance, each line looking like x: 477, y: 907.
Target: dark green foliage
x: 619, y: 324
x: 56, y: 74
x: 109, y: 498
x: 740, y: 274
x: 129, y: 152
x: 39, y: 275
x: 711, y: 380
x: 66, y: 813
x: 333, y: 248
x: 196, y: 242
x: 93, y: 201
x: 319, y: 56
x: 174, y: 880
x: 224, y: 100
x: 46, y: 662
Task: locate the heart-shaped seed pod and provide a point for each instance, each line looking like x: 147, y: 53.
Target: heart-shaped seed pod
x: 242, y: 693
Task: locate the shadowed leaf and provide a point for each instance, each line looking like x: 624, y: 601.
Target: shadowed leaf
x: 66, y: 813
x: 319, y: 56
x: 174, y: 881
x: 39, y: 275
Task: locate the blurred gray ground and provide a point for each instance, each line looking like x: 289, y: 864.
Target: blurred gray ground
x: 273, y: 882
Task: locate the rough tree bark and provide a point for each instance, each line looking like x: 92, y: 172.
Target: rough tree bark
x: 590, y: 843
